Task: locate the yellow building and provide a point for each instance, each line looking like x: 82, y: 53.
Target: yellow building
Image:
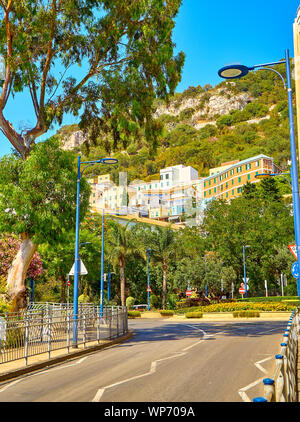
x: 227, y: 183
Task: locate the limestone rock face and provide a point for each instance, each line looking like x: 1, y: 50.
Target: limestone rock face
x: 73, y: 140
x: 204, y: 108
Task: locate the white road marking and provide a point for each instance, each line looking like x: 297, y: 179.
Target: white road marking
x: 242, y: 391
x: 153, y: 367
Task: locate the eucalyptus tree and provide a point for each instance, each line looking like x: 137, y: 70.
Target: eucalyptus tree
x: 37, y: 203
x: 105, y: 60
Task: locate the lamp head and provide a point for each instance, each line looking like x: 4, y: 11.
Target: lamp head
x: 233, y: 71
x: 263, y: 176
x: 108, y: 161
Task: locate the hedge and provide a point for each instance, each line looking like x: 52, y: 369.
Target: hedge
x: 133, y: 314
x: 194, y: 315
x: 246, y: 314
x: 166, y: 313
x: 242, y: 306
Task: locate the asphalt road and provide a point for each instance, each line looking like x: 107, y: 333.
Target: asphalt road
x: 165, y: 361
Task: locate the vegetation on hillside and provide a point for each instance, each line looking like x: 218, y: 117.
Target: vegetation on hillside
x: 261, y: 127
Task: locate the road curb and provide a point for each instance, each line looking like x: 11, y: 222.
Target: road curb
x: 68, y: 356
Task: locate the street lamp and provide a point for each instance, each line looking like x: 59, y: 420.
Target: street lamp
x: 77, y: 259
x: 148, y: 279
x: 269, y: 175
x: 245, y: 279
x: 238, y: 71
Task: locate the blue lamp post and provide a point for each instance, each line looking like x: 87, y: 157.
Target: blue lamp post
x: 238, y: 71
x: 102, y: 266
x: 148, y: 279
x: 77, y: 259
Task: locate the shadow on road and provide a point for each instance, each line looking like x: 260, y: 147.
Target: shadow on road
x: 162, y: 330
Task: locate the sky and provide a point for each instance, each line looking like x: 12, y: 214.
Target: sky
x: 212, y: 34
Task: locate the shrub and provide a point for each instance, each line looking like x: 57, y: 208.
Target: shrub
x: 194, y: 315
x: 166, y: 313
x: 133, y: 314
x: 246, y: 314
x: 130, y: 302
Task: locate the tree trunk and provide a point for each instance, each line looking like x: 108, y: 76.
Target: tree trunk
x: 164, y: 298
x: 17, y: 273
x: 63, y: 289
x: 122, y: 282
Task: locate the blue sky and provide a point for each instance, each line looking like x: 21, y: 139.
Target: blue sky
x: 212, y: 34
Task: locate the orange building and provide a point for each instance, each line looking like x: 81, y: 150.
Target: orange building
x: 226, y: 181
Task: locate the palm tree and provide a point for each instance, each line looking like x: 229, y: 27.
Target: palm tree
x: 122, y: 243
x: 163, y: 244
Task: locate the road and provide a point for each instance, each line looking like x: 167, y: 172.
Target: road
x: 165, y: 361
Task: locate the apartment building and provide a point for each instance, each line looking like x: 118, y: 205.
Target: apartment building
x: 178, y: 190
x: 227, y: 181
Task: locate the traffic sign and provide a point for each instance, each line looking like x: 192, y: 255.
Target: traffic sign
x: 295, y: 269
x: 242, y: 290
x: 188, y: 292
x: 149, y: 289
x: 243, y: 285
x: 81, y: 268
x: 293, y: 249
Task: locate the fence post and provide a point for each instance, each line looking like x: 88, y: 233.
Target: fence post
x: 68, y: 331
x: 26, y: 341
x: 269, y: 389
x: 117, y: 321
x: 110, y: 321
x: 84, y: 329
x: 279, y: 388
x: 98, y: 325
x: 49, y: 334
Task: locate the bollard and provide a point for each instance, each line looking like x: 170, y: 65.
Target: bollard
x: 269, y: 389
x: 259, y: 399
x: 279, y: 386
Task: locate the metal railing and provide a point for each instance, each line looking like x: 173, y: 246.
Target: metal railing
x: 49, y: 328
x: 282, y: 387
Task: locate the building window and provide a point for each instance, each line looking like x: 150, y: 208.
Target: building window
x: 226, y: 194
x: 204, y: 184
x: 232, y: 172
x: 232, y: 191
x: 248, y: 177
x: 209, y: 192
x: 215, y: 190
x: 214, y: 180
x: 240, y: 180
x: 167, y: 176
x: 257, y: 163
x: 204, y: 193
x: 232, y: 182
x: 161, y: 177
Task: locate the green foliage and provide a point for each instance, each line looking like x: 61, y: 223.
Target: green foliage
x: 122, y: 51
x: 40, y: 193
x: 133, y: 314
x: 245, y: 314
x: 166, y: 313
x: 194, y: 315
x: 130, y: 301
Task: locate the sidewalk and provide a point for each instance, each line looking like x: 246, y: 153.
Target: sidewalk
x: 17, y: 368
